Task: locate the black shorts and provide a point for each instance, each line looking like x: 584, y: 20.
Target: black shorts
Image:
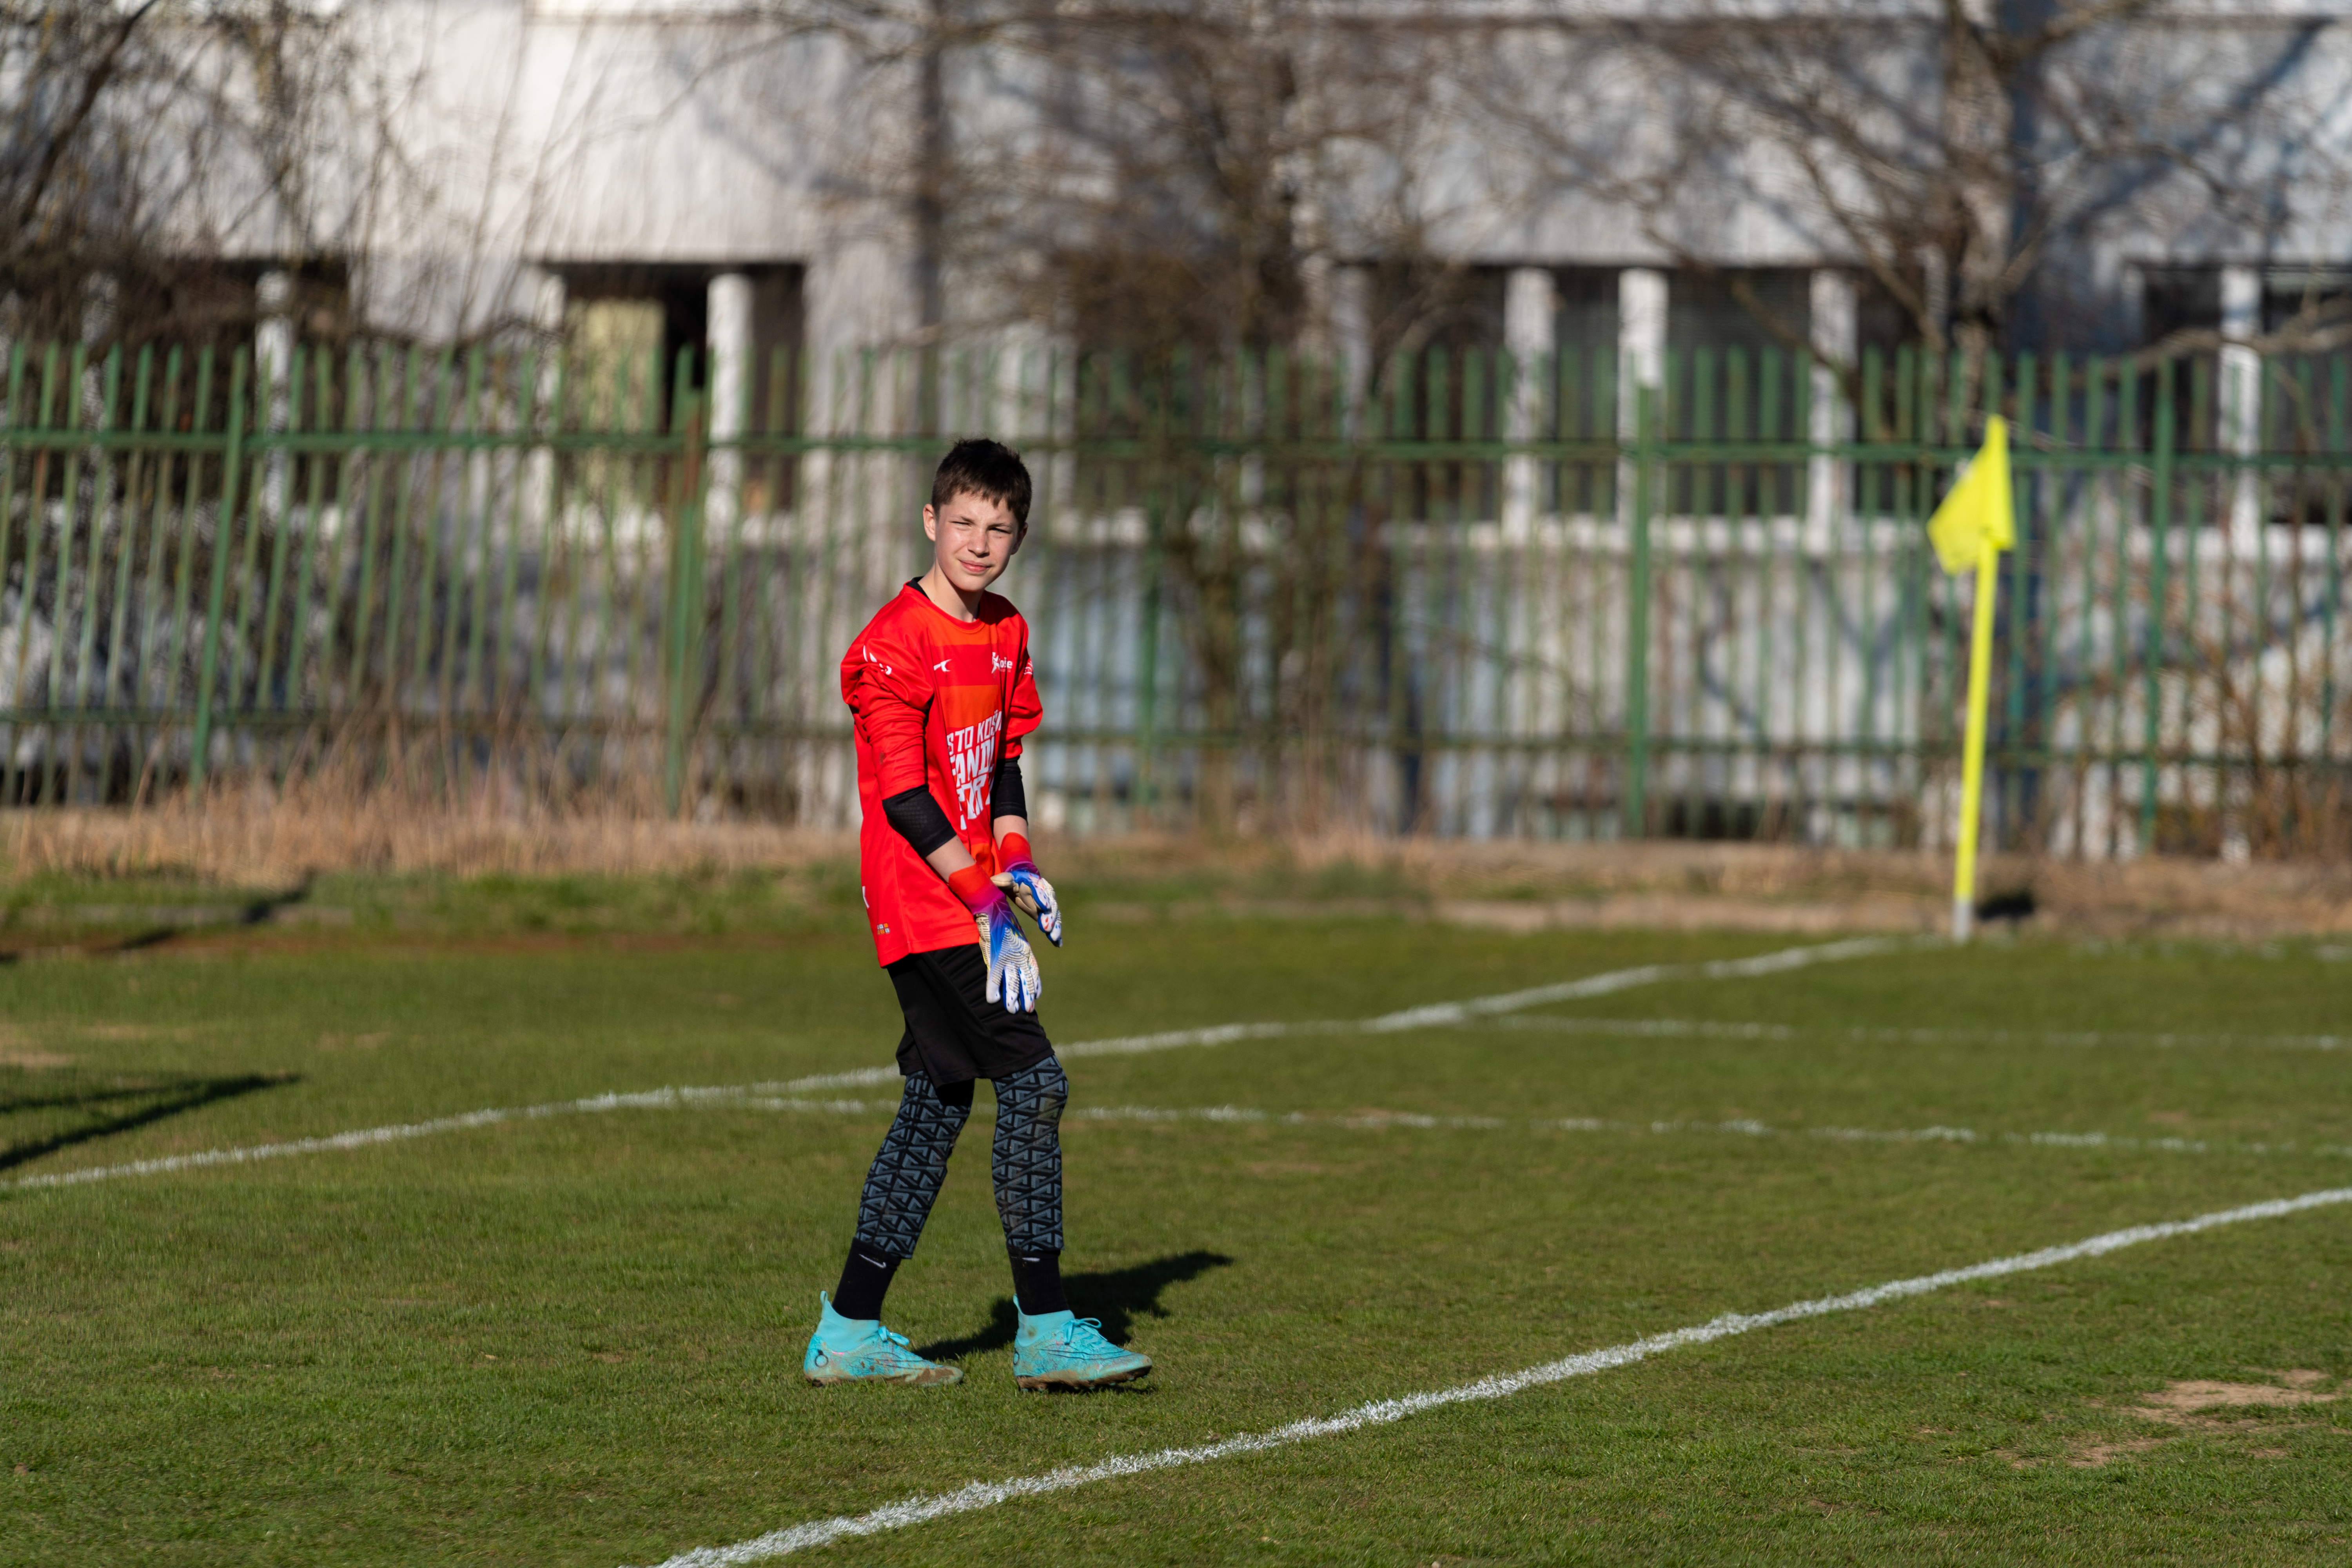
x: 954, y: 1032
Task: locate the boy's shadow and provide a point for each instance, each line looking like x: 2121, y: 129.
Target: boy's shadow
x: 1116, y: 1296
x: 101, y: 1110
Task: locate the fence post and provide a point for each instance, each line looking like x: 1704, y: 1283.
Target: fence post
x: 208, y: 670
x: 1147, y: 660
x: 685, y: 640
x: 1637, y: 619
x: 2159, y: 527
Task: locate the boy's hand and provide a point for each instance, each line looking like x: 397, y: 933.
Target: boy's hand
x: 1028, y: 887
x: 1013, y: 977
x: 1034, y: 896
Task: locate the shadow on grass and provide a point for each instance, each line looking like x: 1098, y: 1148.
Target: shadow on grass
x: 105, y: 1112
x: 1116, y: 1296
x: 254, y: 912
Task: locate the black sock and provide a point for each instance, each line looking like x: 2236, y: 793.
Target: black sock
x: 1037, y: 1281
x: 865, y: 1279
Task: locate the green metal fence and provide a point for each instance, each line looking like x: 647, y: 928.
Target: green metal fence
x: 1449, y: 593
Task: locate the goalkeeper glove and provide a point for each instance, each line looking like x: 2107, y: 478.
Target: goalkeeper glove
x: 1013, y: 977
x: 1028, y: 887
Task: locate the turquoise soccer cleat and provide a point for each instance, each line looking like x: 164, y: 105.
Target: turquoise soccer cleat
x: 848, y: 1350
x: 1056, y: 1350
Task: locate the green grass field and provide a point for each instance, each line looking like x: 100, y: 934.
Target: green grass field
x: 575, y: 1339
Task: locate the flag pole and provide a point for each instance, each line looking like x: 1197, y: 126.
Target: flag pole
x: 1964, y: 870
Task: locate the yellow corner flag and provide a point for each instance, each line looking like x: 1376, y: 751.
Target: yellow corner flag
x: 1979, y: 509
x: 1976, y: 521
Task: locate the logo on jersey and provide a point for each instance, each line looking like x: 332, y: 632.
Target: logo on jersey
x: 971, y: 765
x: 941, y: 665
x: 999, y: 665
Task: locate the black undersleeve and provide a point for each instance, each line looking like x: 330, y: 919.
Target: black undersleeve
x: 1006, y: 795
x: 916, y: 813
x: 918, y: 819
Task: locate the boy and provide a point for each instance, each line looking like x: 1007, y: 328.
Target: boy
x: 940, y: 686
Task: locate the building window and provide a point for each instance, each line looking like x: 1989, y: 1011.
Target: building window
x: 633, y: 331
x: 2223, y: 401
x: 635, y: 334
x: 1584, y: 404
x: 1734, y: 374
x: 217, y: 303
x: 1439, y: 376
x: 2312, y: 300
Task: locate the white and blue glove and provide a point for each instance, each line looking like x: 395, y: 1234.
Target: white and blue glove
x: 1013, y: 977
x: 1029, y: 888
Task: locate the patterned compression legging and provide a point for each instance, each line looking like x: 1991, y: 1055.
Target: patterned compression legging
x: 913, y: 1161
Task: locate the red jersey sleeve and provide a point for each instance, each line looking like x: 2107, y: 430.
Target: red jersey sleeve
x: 1024, y: 711
x: 888, y: 689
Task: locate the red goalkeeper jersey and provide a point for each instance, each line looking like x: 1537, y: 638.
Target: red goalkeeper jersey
x: 936, y: 702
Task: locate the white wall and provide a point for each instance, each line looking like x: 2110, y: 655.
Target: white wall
x: 471, y: 138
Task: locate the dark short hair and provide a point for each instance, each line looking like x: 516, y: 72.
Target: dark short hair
x: 989, y: 469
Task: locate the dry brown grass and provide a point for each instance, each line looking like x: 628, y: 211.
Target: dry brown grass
x: 249, y: 839
x: 2195, y: 898
x: 1515, y: 884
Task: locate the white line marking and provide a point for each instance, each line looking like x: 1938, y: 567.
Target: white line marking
x: 1442, y: 1015
x: 753, y: 1097
x: 919, y: 1510
x: 1222, y: 1034
x: 1376, y: 1121
x: 857, y: 1080
x: 1672, y: 1029
x: 1446, y: 1013
x: 1650, y: 1028
x: 1367, y: 1120
x: 1969, y: 1135
x: 1181, y: 1113
x: 1434, y: 1015
x: 763, y: 1096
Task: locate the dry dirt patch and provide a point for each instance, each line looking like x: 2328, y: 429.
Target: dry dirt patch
x: 131, y: 1031
x: 2198, y: 1404
x: 2093, y: 1456
x: 2184, y: 1403
x: 14, y: 1053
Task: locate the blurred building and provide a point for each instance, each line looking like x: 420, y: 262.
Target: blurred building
x: 746, y: 174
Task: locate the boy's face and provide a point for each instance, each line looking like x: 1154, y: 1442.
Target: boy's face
x: 972, y: 540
